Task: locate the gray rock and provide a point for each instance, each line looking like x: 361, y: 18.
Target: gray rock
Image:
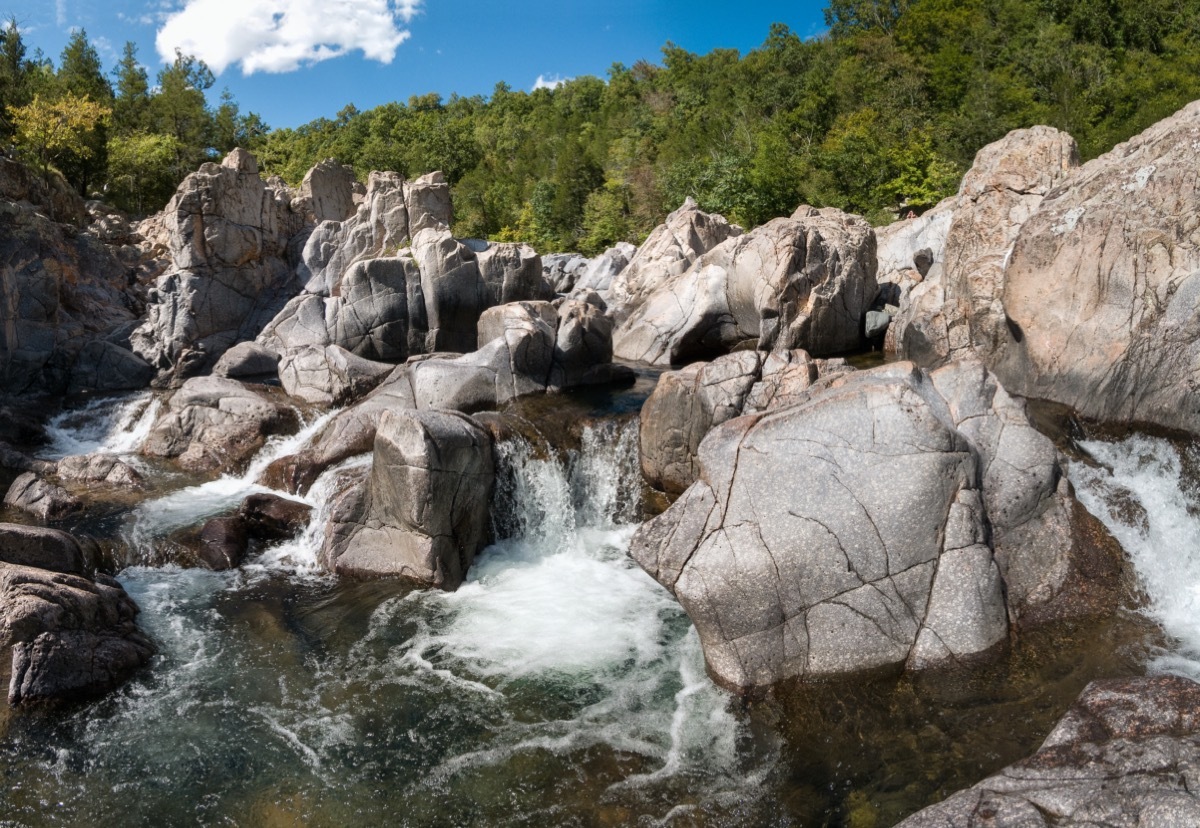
x: 223, y: 543
x: 41, y: 498
x: 328, y: 192
x: 247, y: 359
x: 269, y: 517
x: 1124, y: 754
x: 103, y: 366
x: 424, y: 513
x: 98, y: 469
x: 512, y: 273
x: 428, y: 203
x: 563, y: 270
x: 602, y: 271
x: 41, y: 548
x: 66, y: 636
x: 804, y: 282
x: 850, y: 530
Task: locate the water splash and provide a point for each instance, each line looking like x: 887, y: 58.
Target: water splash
x: 1139, y: 488
x: 109, y: 425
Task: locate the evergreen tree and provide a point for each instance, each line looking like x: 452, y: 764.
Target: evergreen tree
x: 80, y: 75
x: 132, y: 100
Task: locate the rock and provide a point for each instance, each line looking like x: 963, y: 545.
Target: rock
x: 670, y: 250
x: 327, y: 192
x: 42, y: 548
x: 69, y: 636
x: 49, y: 194
x: 455, y: 294
x: 1122, y: 755
x: 424, y: 513
x: 959, y: 309
x: 229, y: 235
x: 850, y: 530
x: 512, y: 273
x: 40, y: 498
x: 583, y: 344
x: 14, y: 460
x: 247, y: 359
x: 268, y: 517
x: 428, y: 203
x: 602, y: 271
x: 1102, y: 285
x: 562, y: 271
x: 804, y: 282
x: 901, y: 244
x: 223, y: 543
x: 98, y: 469
x: 216, y: 424
x: 103, y: 366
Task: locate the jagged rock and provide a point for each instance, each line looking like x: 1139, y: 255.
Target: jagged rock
x: 327, y: 192
x: 850, y: 531
x: 229, y: 235
x: 803, y: 282
x: 247, y: 359
x: 583, y: 347
x: 670, y: 250
x: 960, y: 309
x: 49, y: 194
x: 428, y: 203
x: 512, y: 273
x: 602, y: 271
x: 1124, y: 754
x: 1102, y: 285
x: 562, y: 271
x: 223, y: 543
x: 103, y: 366
x: 66, y: 636
x: 215, y: 423
x: 103, y: 469
x: 41, y: 498
x: 423, y: 515
x: 42, y: 548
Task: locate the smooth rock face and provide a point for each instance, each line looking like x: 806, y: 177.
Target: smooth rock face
x: 41, y: 548
x: 959, y: 308
x: 850, y: 530
x: 41, y: 498
x: 229, y: 235
x: 247, y: 359
x: 69, y: 636
x: 1124, y: 754
x: 671, y: 249
x: 424, y: 513
x: 804, y: 282
x: 1103, y: 282
x: 105, y: 366
x: 328, y: 192
x: 223, y: 543
x: 214, y: 423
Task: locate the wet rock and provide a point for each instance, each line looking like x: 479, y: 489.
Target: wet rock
x: 268, y: 517
x: 888, y: 518
x: 1123, y: 754
x: 12, y: 459
x: 223, y: 543
x: 42, y: 548
x: 69, y: 636
x: 41, y: 498
x: 247, y: 359
x: 98, y: 469
x: 214, y: 423
x: 804, y: 282
x: 424, y: 513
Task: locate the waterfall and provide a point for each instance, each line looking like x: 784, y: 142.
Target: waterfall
x: 108, y: 425
x: 1140, y: 489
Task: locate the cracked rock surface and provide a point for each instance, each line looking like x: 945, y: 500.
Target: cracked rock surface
x: 890, y: 518
x: 1127, y: 753
x: 423, y: 514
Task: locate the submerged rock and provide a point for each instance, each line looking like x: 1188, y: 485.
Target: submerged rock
x: 890, y: 518
x: 1124, y: 754
x: 424, y: 513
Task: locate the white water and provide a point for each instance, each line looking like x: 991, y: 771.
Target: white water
x: 109, y: 425
x: 1139, y: 490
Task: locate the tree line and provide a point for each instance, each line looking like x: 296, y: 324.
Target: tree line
x: 880, y: 115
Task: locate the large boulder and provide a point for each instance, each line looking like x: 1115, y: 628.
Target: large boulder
x: 1103, y: 285
x: 39, y: 497
x: 231, y: 270
x: 64, y: 635
x: 799, y: 282
x: 670, y: 250
x: 212, y: 423
x: 1123, y: 754
x: 960, y: 309
x: 327, y: 192
x: 889, y: 518
x: 42, y: 548
x: 424, y: 513
x: 512, y: 273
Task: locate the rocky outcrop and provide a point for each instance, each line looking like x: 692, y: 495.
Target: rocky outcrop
x: 231, y: 238
x: 600, y: 273
x: 671, y: 249
x: 64, y: 632
x: 216, y: 424
x: 909, y: 252
x: 327, y: 192
x: 804, y: 282
x: 890, y: 518
x: 960, y: 309
x: 512, y: 273
x: 247, y: 359
x: 41, y: 498
x: 1102, y: 287
x: 1123, y: 754
x: 424, y: 513
x: 688, y: 403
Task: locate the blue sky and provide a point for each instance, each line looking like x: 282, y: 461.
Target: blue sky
x: 295, y: 60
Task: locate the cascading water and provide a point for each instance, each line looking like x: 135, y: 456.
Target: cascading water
x: 111, y: 425
x: 1140, y: 489
x: 559, y: 685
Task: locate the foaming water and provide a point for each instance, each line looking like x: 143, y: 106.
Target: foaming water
x: 559, y: 685
x: 110, y: 425
x: 1139, y: 488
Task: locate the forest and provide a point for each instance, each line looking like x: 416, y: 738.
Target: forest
x: 880, y: 115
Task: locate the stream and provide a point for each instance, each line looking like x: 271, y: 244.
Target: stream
x: 559, y: 686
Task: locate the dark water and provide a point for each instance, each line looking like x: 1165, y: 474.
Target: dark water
x: 560, y: 686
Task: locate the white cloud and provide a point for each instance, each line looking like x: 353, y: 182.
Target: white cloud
x: 283, y: 35
x: 60, y: 12
x: 544, y: 82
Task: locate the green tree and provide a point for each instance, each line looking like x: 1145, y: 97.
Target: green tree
x: 141, y: 171
x: 14, y: 76
x: 180, y: 110
x: 48, y: 131
x: 80, y: 74
x: 132, y: 99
